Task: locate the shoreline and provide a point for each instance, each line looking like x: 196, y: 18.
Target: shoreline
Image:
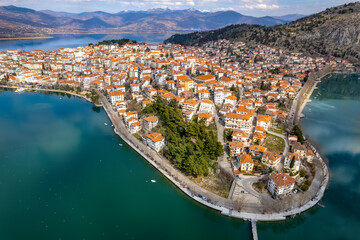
x: 26, y: 38
x: 54, y: 91
x: 307, y: 99
x: 188, y: 187
x: 224, y: 210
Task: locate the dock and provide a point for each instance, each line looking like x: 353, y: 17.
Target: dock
x: 254, y: 230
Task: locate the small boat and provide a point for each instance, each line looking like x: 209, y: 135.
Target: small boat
x: 19, y: 90
x: 120, y: 144
x: 105, y: 124
x: 320, y: 205
x: 309, y: 109
x: 153, y: 181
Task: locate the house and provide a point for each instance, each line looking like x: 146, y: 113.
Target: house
x: 246, y: 163
x: 155, y: 141
x: 203, y: 94
x: 116, y: 96
x: 134, y: 127
x: 186, y: 82
x: 207, y: 117
x: 280, y: 183
x: 270, y: 159
x: 190, y: 104
x: 239, y: 136
x: 263, y: 121
x: 150, y: 122
x: 238, y: 122
x: 299, y: 149
x: 236, y: 148
x: 231, y: 100
x: 256, y: 150
x: 206, y: 106
x: 292, y: 157
x: 310, y: 155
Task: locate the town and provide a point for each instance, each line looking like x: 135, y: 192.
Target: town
x: 221, y: 107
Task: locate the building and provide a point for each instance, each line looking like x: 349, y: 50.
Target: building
x: 207, y: 117
x: 246, y: 163
x: 289, y: 158
x: 239, y: 136
x: 206, y: 106
x: 270, y: 159
x: 238, y: 122
x: 116, y: 96
x: 150, y: 122
x: 155, y: 141
x: 236, y: 148
x: 263, y: 121
x: 190, y: 104
x: 280, y: 183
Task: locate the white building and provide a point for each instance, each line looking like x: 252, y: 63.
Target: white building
x: 206, y: 106
x: 280, y: 183
x: 116, y: 96
x: 155, y: 141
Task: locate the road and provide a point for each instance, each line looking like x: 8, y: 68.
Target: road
x: 286, y: 149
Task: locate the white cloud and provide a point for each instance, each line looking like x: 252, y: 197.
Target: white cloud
x: 260, y: 6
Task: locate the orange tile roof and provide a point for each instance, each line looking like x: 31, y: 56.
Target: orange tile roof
x: 151, y: 119
x: 246, y: 158
x: 205, y: 115
x: 257, y: 148
x: 238, y: 116
x: 155, y: 137
x: 281, y: 179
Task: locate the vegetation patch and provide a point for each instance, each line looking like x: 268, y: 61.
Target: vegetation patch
x: 274, y: 144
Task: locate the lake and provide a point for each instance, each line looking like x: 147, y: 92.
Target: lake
x: 63, y: 175
x: 78, y: 40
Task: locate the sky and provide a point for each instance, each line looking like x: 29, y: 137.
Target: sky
x: 246, y: 7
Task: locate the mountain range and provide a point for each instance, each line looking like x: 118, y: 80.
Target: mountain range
x: 17, y: 21
x: 332, y: 32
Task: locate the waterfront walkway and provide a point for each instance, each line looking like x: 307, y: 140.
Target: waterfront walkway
x: 209, y: 199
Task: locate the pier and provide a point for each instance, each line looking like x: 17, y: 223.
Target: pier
x: 254, y: 230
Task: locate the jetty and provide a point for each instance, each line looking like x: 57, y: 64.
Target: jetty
x: 254, y: 230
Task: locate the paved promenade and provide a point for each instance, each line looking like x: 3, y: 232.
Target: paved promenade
x: 209, y: 199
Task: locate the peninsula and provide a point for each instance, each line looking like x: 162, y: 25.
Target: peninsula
x: 217, y: 120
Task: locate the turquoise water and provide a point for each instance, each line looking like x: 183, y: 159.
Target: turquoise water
x: 63, y: 175
x: 78, y: 40
x: 332, y: 120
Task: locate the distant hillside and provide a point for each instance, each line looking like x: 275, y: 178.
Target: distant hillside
x: 16, y: 21
x: 289, y: 17
x: 333, y: 32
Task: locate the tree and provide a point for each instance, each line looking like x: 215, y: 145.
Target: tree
x: 297, y: 131
x: 302, y: 173
x: 292, y: 162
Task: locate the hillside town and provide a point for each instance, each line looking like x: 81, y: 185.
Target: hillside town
x: 242, y: 93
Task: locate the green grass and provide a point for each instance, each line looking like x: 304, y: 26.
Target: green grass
x: 274, y: 144
x: 276, y: 130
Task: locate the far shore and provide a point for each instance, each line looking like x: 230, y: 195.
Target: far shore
x: 26, y: 38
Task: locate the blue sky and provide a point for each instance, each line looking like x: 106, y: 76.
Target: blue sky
x: 246, y: 7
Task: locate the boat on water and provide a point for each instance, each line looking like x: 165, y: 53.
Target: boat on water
x: 20, y: 90
x: 120, y: 145
x: 105, y: 124
x: 320, y: 205
x: 309, y: 109
x: 153, y: 181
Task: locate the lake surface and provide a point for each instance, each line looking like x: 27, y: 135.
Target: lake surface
x: 63, y: 174
x: 78, y: 40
